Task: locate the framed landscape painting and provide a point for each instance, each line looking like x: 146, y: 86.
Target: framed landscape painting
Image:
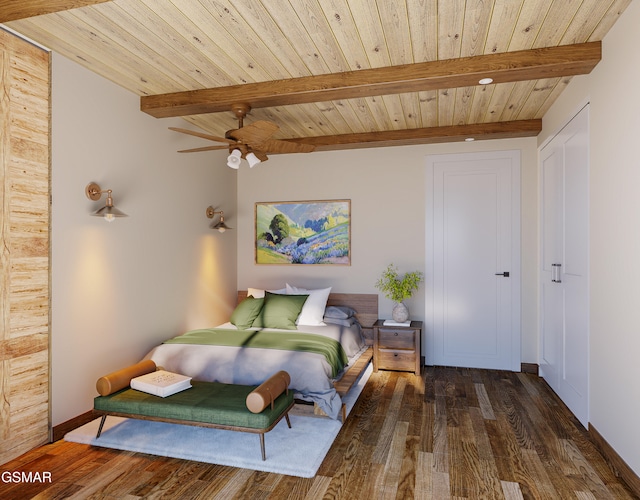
x: 303, y: 232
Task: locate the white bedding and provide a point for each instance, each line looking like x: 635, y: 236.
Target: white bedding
x: 310, y: 372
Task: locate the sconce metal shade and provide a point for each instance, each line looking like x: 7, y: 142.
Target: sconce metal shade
x: 108, y: 212
x: 220, y: 226
x: 233, y: 160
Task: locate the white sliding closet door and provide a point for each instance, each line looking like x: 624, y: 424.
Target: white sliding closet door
x: 564, y: 340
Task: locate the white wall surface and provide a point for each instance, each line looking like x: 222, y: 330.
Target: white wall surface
x: 119, y: 288
x: 387, y: 188
x: 615, y: 240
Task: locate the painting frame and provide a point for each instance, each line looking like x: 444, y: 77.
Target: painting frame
x: 313, y: 232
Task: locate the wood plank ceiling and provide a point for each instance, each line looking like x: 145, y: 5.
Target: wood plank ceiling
x: 334, y: 73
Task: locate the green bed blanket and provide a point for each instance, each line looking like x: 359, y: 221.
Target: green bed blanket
x: 269, y: 339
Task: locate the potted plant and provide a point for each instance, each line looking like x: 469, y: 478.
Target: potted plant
x: 398, y: 289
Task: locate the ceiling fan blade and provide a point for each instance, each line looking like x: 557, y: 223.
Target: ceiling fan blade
x: 262, y: 156
x: 278, y: 146
x: 201, y: 135
x: 254, y: 133
x: 206, y: 148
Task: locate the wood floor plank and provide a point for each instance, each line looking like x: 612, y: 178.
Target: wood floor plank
x: 390, y: 421
x: 504, y: 448
x: 234, y: 487
x: 374, y: 482
x: 394, y: 459
x: 440, y: 438
x: 441, y: 487
x: 541, y: 482
x: 318, y: 488
x: 408, y: 474
x: 424, y: 476
x: 511, y: 491
x: 448, y: 434
x: 485, y: 404
x: 424, y: 426
x: 356, y: 476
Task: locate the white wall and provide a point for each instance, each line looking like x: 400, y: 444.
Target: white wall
x: 119, y: 288
x: 387, y: 188
x: 615, y: 240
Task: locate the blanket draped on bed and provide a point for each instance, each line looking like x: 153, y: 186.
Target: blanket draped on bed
x: 267, y: 339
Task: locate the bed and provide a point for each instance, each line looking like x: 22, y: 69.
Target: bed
x: 323, y: 359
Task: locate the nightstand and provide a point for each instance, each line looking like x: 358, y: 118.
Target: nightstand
x: 397, y: 347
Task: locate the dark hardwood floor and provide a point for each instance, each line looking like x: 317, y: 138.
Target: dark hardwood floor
x: 451, y: 433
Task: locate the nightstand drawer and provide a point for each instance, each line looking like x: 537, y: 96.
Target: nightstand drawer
x: 396, y: 339
x: 396, y: 359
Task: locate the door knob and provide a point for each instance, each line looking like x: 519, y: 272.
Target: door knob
x: 505, y: 274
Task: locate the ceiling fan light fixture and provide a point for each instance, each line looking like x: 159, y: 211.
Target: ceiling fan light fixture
x: 233, y: 160
x: 253, y: 160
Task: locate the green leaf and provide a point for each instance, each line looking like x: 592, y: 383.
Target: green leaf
x: 396, y: 288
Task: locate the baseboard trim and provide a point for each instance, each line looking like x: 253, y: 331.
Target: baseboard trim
x: 529, y: 368
x: 615, y: 461
x: 61, y: 429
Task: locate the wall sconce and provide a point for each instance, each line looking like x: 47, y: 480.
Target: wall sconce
x: 109, y: 212
x: 220, y: 226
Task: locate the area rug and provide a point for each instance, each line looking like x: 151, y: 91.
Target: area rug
x: 298, y: 451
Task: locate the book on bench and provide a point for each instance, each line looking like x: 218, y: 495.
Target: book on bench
x: 161, y: 383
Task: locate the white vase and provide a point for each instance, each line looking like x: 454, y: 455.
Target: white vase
x: 400, y: 313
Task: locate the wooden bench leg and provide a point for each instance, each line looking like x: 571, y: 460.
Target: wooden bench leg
x: 104, y: 417
x: 264, y: 454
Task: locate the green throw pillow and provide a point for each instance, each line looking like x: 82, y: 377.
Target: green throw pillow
x: 246, y: 312
x: 280, y: 311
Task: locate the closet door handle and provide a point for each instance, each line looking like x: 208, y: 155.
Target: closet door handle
x: 505, y: 274
x: 556, y: 276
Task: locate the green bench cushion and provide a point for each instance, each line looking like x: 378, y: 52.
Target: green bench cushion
x: 207, y: 402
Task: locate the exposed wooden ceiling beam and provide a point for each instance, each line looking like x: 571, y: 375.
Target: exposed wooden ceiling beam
x: 550, y: 62
x: 432, y: 135
x: 11, y: 10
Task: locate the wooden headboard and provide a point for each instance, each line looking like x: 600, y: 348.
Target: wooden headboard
x: 366, y: 305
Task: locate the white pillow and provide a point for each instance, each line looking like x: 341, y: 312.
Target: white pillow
x: 258, y: 293
x: 313, y: 309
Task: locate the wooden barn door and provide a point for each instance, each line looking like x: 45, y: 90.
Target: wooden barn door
x: 24, y: 246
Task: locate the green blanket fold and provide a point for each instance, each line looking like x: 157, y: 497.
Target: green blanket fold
x: 269, y: 339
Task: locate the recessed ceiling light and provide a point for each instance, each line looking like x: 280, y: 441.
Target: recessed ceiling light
x: 485, y: 81
x: 469, y: 139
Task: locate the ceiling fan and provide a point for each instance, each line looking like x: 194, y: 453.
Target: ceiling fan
x: 252, y: 142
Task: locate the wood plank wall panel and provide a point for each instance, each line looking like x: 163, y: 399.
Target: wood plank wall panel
x: 24, y: 246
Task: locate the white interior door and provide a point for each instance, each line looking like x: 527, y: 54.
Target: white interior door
x: 473, y: 260
x: 564, y: 340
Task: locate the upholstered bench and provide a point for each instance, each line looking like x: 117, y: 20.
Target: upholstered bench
x: 255, y: 409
